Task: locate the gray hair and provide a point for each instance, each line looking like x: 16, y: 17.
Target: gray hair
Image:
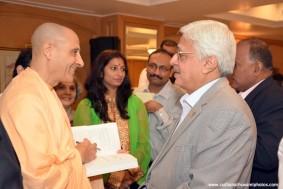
x: 212, y: 38
x: 259, y: 51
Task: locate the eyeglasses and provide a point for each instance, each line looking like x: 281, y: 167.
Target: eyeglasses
x: 154, y: 67
x: 182, y: 55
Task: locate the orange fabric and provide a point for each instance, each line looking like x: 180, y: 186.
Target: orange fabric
x: 40, y: 132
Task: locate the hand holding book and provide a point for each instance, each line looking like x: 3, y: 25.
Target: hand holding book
x: 111, y: 157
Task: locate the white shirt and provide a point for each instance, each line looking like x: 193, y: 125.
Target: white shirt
x: 247, y: 92
x: 162, y: 122
x: 189, y: 100
x: 143, y: 81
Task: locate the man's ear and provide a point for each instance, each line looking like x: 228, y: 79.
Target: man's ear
x: 210, y: 64
x: 48, y: 50
x: 258, y: 68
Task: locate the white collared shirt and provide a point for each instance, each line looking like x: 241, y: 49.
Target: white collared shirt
x: 247, y: 92
x: 189, y: 100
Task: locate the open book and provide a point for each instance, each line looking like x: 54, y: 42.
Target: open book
x: 107, y: 139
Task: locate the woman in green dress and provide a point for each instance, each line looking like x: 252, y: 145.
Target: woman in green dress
x: 110, y: 99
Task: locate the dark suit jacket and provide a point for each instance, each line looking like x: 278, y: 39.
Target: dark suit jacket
x: 10, y: 170
x: 266, y: 103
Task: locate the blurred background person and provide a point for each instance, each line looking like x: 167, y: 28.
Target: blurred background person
x: 253, y: 78
x: 169, y: 45
x: 277, y: 76
x: 68, y: 93
x: 110, y: 99
x: 23, y: 61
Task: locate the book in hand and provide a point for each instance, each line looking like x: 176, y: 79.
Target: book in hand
x: 107, y: 139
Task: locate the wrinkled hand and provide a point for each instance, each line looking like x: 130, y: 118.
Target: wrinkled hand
x: 87, y: 150
x: 152, y: 106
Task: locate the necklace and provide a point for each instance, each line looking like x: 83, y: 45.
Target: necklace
x: 112, y: 104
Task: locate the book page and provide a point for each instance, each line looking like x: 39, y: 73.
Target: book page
x: 106, y: 137
x: 111, y: 163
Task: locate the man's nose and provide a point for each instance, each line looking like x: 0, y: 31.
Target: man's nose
x: 174, y: 59
x: 157, y: 70
x: 67, y: 91
x: 80, y: 61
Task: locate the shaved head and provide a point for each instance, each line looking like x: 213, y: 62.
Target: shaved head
x: 48, y: 33
x: 55, y: 53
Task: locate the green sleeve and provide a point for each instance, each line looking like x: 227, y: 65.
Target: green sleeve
x: 139, y: 129
x: 85, y: 114
x: 139, y: 133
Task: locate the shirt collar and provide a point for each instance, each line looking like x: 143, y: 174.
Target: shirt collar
x: 164, y: 92
x: 193, y: 98
x: 247, y: 92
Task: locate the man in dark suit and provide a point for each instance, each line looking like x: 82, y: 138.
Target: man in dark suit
x: 10, y: 170
x: 252, y: 77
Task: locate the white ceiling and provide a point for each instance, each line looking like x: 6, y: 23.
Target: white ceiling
x: 270, y: 16
x: 244, y: 17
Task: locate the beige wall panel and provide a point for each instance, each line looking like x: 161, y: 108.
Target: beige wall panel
x: 18, y: 23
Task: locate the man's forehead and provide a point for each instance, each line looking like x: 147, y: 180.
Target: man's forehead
x: 184, y: 43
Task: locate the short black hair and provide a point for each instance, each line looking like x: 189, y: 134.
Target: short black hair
x: 23, y: 59
x: 162, y: 51
x: 168, y: 42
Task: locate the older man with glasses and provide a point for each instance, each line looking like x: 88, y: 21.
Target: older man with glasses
x: 213, y: 143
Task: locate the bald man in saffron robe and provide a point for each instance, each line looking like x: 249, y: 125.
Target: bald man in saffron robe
x: 35, y: 119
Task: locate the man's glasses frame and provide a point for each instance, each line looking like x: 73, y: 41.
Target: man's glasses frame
x: 181, y: 54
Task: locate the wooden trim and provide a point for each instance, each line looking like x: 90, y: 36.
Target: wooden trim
x: 10, y: 49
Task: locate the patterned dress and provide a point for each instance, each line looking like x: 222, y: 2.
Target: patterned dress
x: 116, y: 178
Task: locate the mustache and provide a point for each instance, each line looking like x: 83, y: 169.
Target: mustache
x: 157, y: 76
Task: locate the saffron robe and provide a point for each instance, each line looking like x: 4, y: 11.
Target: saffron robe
x: 40, y: 132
